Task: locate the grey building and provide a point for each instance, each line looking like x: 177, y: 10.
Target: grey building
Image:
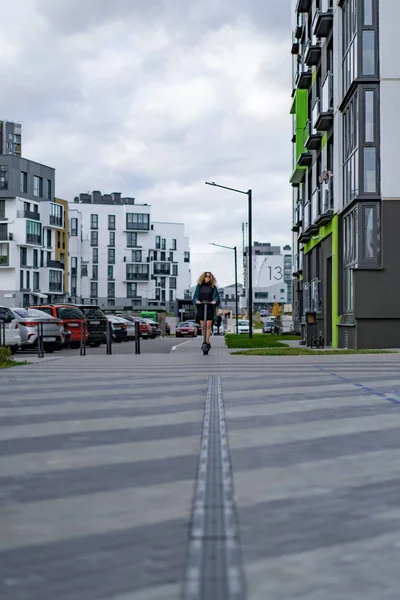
x: 10, y: 138
x: 272, y: 274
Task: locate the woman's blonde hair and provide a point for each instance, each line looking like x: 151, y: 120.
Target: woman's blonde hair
x: 202, y: 278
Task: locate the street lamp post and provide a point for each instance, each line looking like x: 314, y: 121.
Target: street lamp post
x: 236, y: 281
x: 250, y: 249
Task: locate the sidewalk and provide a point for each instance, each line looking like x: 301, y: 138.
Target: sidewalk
x: 99, y: 460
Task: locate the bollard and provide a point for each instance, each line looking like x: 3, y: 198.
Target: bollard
x: 82, y: 347
x: 137, y: 337
x: 2, y: 332
x: 40, y: 341
x: 109, y: 339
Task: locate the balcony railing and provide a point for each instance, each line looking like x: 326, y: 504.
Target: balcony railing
x: 137, y: 226
x: 323, y: 19
x: 31, y: 238
x: 54, y: 220
x: 33, y: 215
x: 137, y: 276
x: 55, y: 286
x: 55, y: 264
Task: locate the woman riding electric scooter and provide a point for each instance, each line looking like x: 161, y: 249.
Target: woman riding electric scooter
x: 206, y: 298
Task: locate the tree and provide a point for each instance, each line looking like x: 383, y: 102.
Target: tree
x: 276, y: 310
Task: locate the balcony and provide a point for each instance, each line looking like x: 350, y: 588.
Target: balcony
x: 137, y: 227
x: 324, y: 118
x: 298, y: 176
x: 56, y: 221
x: 311, y: 137
x: 4, y: 260
x: 6, y: 237
x: 31, y: 238
x: 312, y: 54
x: 298, y: 32
x: 137, y: 276
x: 55, y: 286
x: 303, y: 6
x: 28, y: 214
x: 303, y: 77
x: 295, y: 48
x: 55, y: 264
x: 323, y: 19
x: 325, y: 212
x: 305, y: 159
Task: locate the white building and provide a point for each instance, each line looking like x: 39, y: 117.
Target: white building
x: 272, y: 274
x: 31, y: 229
x: 120, y: 257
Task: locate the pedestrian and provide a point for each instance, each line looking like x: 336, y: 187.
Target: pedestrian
x: 206, y: 291
x: 218, y: 323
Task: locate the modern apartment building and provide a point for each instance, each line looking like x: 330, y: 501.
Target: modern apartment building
x: 120, y: 257
x: 346, y: 189
x: 30, y: 226
x: 272, y: 274
x: 10, y: 138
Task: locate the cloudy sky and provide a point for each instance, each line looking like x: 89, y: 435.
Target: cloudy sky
x: 154, y: 97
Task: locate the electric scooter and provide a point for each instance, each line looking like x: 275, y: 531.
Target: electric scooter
x: 204, y: 346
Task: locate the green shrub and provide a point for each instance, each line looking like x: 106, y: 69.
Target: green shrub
x: 5, y: 354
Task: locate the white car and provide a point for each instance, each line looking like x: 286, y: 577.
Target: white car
x: 243, y: 326
x: 221, y: 329
x: 11, y: 330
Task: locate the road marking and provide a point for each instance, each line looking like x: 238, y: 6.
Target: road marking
x: 181, y: 344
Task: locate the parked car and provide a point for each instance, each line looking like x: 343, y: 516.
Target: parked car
x: 243, y: 326
x: 130, y: 329
x: 268, y: 326
x: 53, y: 329
x: 12, y: 336
x: 221, y: 329
x: 145, y: 329
x: 155, y: 328
x: 194, y: 324
x: 186, y: 330
x: 73, y: 319
x: 118, y: 328
x: 96, y: 324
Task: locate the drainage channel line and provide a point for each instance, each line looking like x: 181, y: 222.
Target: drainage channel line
x: 214, y: 569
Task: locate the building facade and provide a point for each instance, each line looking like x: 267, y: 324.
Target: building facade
x: 120, y: 257
x: 272, y: 275
x: 346, y: 191
x: 30, y: 223
x: 10, y: 138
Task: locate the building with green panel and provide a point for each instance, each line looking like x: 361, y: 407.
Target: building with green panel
x: 346, y: 191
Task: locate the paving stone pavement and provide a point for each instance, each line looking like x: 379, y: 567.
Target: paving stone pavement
x: 99, y: 458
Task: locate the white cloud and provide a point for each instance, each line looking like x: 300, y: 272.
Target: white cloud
x: 154, y: 98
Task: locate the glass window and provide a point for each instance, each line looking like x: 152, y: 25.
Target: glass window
x: 370, y: 170
x: 24, y: 182
x: 3, y: 178
x: 37, y: 186
x: 136, y: 256
x: 69, y: 313
x: 94, y: 221
x: 369, y: 116
x: 74, y: 227
x: 172, y: 283
x: 2, y: 209
x: 49, y: 190
x: 174, y: 246
x: 112, y: 238
x: 111, y: 289
x: 94, y: 238
x: 175, y: 270
x: 131, y: 289
x: 368, y: 12
x: 95, y: 255
x: 84, y: 269
x: 110, y: 274
x: 93, y: 290
x: 158, y: 242
x: 368, y: 242
x: 95, y: 271
x: 111, y: 256
x: 111, y: 221
x: 131, y: 240
x: 368, y: 52
x: 163, y: 244
x: 138, y: 221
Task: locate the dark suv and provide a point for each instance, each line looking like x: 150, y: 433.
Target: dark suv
x: 96, y: 324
